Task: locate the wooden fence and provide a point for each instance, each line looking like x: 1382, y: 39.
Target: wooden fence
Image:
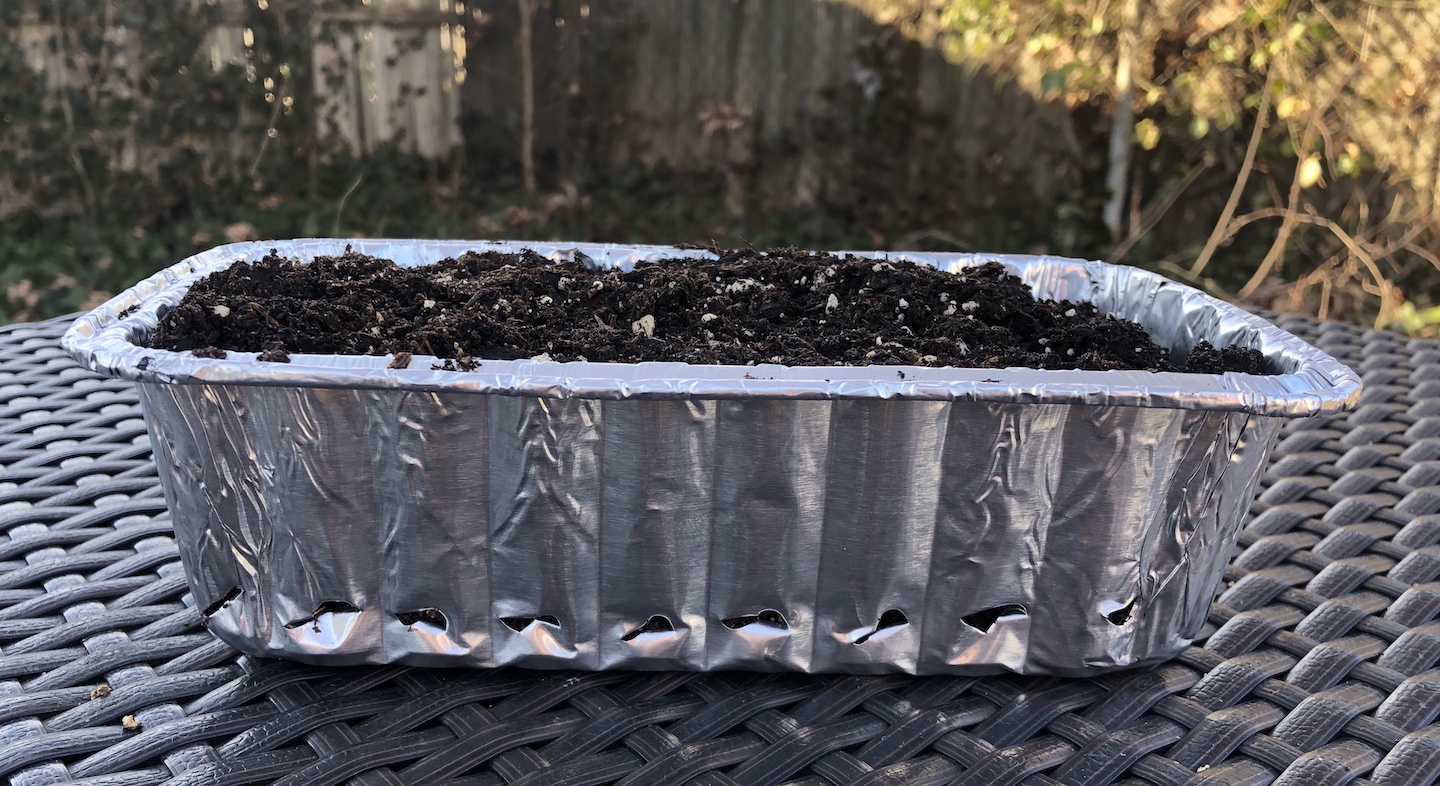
x: 397, y: 65
x: 685, y: 83
x: 695, y: 84
x: 706, y: 84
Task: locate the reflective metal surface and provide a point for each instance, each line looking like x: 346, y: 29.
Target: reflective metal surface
x: 665, y: 516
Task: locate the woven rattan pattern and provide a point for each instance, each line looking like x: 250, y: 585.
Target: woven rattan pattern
x: 1318, y: 665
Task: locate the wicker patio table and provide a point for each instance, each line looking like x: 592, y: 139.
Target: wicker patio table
x: 1318, y: 665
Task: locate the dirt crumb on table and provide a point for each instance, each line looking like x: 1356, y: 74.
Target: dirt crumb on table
x: 786, y: 306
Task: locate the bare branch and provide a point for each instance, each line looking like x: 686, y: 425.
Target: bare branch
x: 1155, y: 211
x: 1282, y: 238
x: 1124, y: 119
x: 1262, y: 119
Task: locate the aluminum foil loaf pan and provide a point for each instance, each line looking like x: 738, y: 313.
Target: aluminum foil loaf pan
x: 670, y: 516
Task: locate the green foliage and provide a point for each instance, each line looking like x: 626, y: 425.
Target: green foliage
x: 122, y: 152
x: 134, y: 135
x: 1204, y: 78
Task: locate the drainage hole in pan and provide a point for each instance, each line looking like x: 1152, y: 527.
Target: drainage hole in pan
x: 656, y: 624
x: 985, y: 619
x: 767, y: 617
x: 892, y: 618
x: 519, y: 624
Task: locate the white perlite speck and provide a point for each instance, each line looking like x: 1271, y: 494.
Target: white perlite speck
x: 221, y: 311
x: 428, y: 304
x: 831, y: 303
x: 708, y: 318
x: 645, y: 324
x: 904, y: 303
x: 1069, y: 312
x: 969, y: 306
x: 543, y: 357
x: 545, y: 300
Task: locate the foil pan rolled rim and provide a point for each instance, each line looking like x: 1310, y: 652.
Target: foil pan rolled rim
x: 110, y: 340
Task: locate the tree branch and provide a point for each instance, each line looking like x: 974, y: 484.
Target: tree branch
x: 1154, y: 212
x: 1282, y: 238
x: 1120, y: 127
x: 1219, y: 233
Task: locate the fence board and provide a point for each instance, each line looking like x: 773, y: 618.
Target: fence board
x: 398, y: 69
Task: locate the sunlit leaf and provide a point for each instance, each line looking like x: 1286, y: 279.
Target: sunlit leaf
x: 1416, y: 321
x: 1309, y: 171
x: 1147, y: 133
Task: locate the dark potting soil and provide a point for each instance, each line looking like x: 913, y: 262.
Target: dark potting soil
x: 780, y: 306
